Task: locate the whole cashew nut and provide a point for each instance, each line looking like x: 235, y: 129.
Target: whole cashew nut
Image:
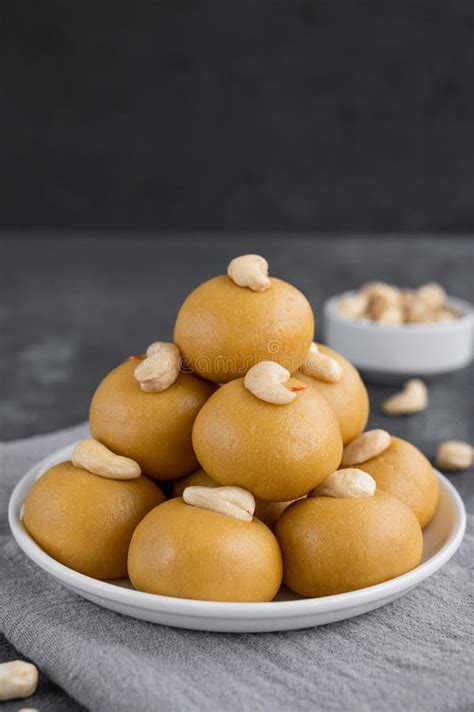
x: 265, y: 380
x: 160, y: 369
x: 417, y: 311
x: 234, y: 501
x: 94, y: 457
x: 321, y: 366
x: 353, y: 306
x: 412, y: 399
x: 349, y: 483
x: 392, y: 315
x: 250, y: 271
x: 381, y: 290
x: 454, y: 455
x: 365, y: 446
x: 18, y: 679
x: 434, y: 295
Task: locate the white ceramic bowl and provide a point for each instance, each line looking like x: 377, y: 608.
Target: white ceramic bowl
x: 390, y: 353
x: 289, y: 612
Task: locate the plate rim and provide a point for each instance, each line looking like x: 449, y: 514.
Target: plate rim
x: 188, y: 607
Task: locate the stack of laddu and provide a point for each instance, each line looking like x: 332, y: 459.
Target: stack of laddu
x: 234, y: 459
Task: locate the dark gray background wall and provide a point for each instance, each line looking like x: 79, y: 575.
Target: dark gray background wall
x: 299, y: 114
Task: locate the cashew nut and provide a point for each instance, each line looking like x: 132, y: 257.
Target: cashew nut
x: 391, y: 315
x: 379, y: 304
x: 380, y: 290
x: 412, y: 399
x: 160, y: 369
x: 17, y: 679
x: 445, y: 314
x: 454, y: 455
x: 353, y: 306
x: 365, y: 446
x: 417, y: 312
x: 249, y: 271
x: 234, y: 501
x: 265, y: 380
x: 349, y: 483
x: 433, y: 295
x: 91, y: 455
x: 321, y: 366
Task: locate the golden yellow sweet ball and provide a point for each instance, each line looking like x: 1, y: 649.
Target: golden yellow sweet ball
x: 185, y: 551
x: 333, y: 545
x: 223, y: 329
x: 267, y: 512
x: 404, y: 472
x: 85, y: 521
x: 278, y: 452
x: 154, y: 429
x: 348, y: 397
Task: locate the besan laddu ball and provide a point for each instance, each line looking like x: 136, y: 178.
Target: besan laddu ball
x: 206, y: 545
x: 269, y: 434
x: 230, y: 323
x: 335, y: 378
x: 346, y: 535
x: 145, y: 409
x: 399, y: 469
x: 83, y: 513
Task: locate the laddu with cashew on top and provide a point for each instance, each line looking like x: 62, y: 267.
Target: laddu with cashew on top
x: 83, y: 513
x: 231, y: 555
x: 145, y: 409
x: 233, y: 321
x: 268, y: 433
x: 399, y: 468
x: 337, y: 539
x: 339, y: 382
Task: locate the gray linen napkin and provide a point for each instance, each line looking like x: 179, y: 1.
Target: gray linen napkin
x: 414, y: 654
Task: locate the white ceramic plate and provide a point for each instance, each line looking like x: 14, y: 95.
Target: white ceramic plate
x: 441, y: 539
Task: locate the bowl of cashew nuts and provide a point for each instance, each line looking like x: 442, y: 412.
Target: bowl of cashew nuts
x: 391, y: 334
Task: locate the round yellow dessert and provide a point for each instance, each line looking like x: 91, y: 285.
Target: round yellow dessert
x: 348, y: 397
x: 278, y: 452
x: 85, y: 521
x: 333, y: 545
x: 404, y: 472
x: 223, y: 329
x: 189, y: 552
x: 154, y: 429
